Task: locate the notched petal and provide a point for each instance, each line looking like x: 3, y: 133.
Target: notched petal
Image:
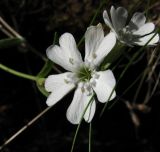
x: 78, y: 106
x: 137, y: 20
x: 105, y: 86
x: 93, y: 37
x: 58, y: 87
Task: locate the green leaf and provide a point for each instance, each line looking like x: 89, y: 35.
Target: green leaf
x: 10, y: 42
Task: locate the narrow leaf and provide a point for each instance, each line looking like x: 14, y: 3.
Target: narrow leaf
x: 10, y: 42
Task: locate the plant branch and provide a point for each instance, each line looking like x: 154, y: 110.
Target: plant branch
x: 19, y: 74
x: 8, y: 30
x: 25, y: 127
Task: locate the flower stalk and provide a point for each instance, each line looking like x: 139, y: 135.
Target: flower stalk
x: 17, y: 73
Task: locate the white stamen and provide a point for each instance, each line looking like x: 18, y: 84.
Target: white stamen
x: 94, y: 55
x: 93, y: 82
x: 90, y: 65
x: 125, y: 34
x: 88, y: 88
x: 95, y: 75
x: 66, y: 81
x: 71, y: 60
x: 71, y: 78
x: 82, y: 89
x: 81, y: 85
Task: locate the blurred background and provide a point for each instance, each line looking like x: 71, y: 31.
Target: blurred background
x: 125, y: 127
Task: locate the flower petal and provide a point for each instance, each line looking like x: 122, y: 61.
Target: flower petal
x: 143, y: 40
x: 107, y: 20
x: 93, y: 37
x: 114, y: 17
x: 78, y: 105
x: 67, y: 55
x: 104, y: 48
x: 137, y: 20
x: 58, y: 86
x: 145, y: 29
x: 104, y: 86
x: 119, y: 17
x: 68, y: 44
x: 90, y: 111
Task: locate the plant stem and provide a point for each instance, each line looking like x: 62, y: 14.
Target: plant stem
x: 94, y: 17
x: 19, y: 74
x: 8, y: 30
x: 25, y: 127
x: 77, y: 130
x: 90, y: 136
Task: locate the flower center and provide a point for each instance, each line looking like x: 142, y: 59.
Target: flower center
x: 125, y: 34
x: 84, y: 74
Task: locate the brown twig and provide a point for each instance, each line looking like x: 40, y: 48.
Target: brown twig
x: 8, y: 141
x: 8, y: 30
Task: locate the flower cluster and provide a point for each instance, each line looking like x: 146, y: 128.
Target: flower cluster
x: 83, y: 75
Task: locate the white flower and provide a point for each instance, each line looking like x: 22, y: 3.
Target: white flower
x: 82, y: 75
x: 136, y: 32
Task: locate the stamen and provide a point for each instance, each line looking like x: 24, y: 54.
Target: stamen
x: 88, y: 88
x: 71, y: 60
x: 66, y: 81
x: 125, y: 34
x: 82, y: 89
x: 71, y: 78
x: 96, y: 76
x: 94, y: 55
x: 93, y: 82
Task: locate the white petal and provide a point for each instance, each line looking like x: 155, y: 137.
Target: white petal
x: 104, y: 48
x: 119, y: 17
x: 145, y: 39
x: 122, y: 15
x: 114, y: 17
x: 90, y: 111
x: 145, y: 29
x: 67, y: 55
x: 54, y: 53
x: 78, y: 105
x: 137, y: 20
x: 93, y: 37
x: 104, y: 86
x: 58, y: 86
x: 107, y: 20
x: 68, y: 44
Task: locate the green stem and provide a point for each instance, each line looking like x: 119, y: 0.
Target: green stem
x: 75, y: 136
x: 77, y: 130
x: 19, y: 74
x: 90, y: 135
x: 94, y: 17
x: 147, y: 9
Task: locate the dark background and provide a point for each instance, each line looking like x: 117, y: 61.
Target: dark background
x: 20, y: 101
